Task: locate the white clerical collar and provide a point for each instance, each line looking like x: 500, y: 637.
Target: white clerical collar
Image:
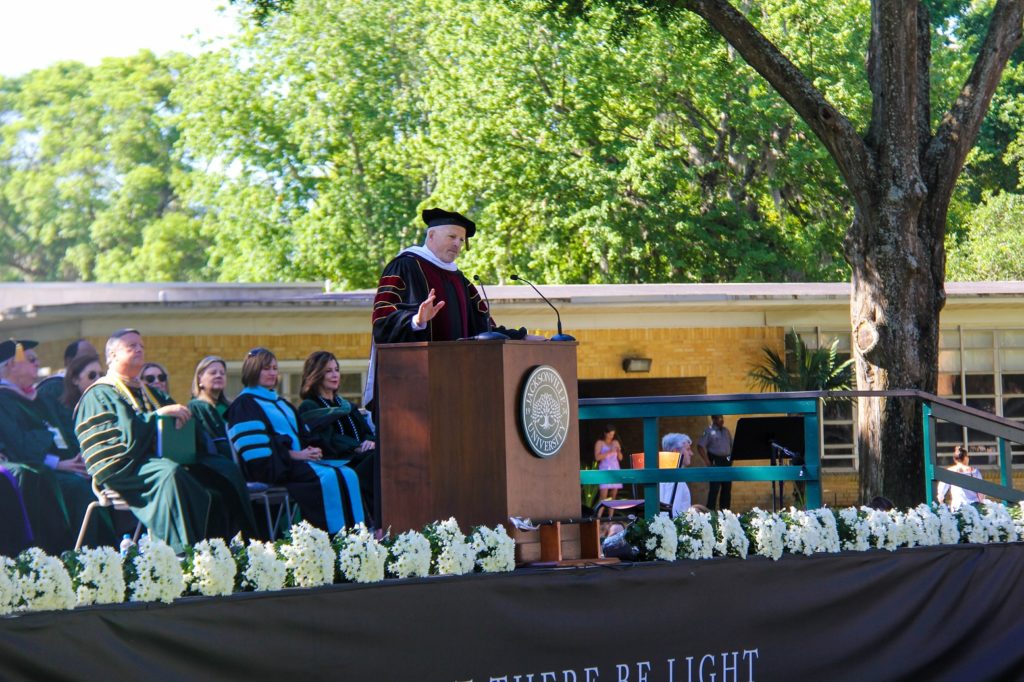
x: 428, y: 255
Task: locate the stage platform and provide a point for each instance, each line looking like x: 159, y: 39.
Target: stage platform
x: 934, y: 613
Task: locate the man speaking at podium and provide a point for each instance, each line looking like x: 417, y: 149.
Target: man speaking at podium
x: 423, y: 296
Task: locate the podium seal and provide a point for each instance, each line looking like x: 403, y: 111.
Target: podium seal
x: 544, y: 411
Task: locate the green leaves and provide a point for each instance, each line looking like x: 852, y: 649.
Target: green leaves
x: 817, y: 369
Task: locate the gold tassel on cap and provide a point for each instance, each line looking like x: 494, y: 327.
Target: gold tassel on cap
x: 19, y: 352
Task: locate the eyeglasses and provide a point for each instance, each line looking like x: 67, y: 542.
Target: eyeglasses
x: 92, y: 376
x: 153, y: 378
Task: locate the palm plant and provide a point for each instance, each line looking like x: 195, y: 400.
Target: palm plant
x: 811, y: 370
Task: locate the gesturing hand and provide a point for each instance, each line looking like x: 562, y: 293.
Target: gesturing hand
x: 428, y: 309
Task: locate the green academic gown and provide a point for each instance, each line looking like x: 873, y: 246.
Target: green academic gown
x: 117, y: 427
x: 55, y: 500
x: 213, y: 452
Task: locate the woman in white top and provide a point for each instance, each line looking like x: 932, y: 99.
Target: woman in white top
x: 676, y: 496
x: 959, y: 496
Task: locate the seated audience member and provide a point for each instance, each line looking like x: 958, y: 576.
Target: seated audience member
x: 17, y: 531
x: 960, y: 496
x: 154, y: 375
x: 80, y: 375
x: 51, y: 388
x: 116, y: 423
x: 208, y: 407
x: 50, y: 471
x: 268, y: 435
x: 337, y: 428
x: 676, y: 496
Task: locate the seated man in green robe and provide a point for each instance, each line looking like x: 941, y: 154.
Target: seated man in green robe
x: 116, y: 423
x: 47, y: 465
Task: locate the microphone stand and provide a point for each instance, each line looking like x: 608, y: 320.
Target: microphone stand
x: 490, y: 334
x: 559, y: 336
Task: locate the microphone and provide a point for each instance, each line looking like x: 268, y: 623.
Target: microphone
x: 490, y: 334
x: 559, y: 336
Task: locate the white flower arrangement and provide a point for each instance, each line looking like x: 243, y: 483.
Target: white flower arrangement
x: 972, y: 528
x: 8, y: 586
x: 496, y: 552
x: 1000, y: 523
x: 260, y: 567
x: 408, y: 555
x: 153, y: 572
x: 695, y: 535
x: 361, y: 557
x: 924, y: 526
x: 949, y: 529
x: 450, y: 553
x: 43, y: 584
x: 854, y: 533
x: 308, y: 556
x: 766, y: 532
x: 730, y: 538
x: 663, y: 539
x: 97, y: 575
x: 829, y: 530
x: 210, y: 569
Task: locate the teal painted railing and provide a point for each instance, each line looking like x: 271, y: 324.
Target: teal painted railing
x: 652, y: 408
x: 804, y: 404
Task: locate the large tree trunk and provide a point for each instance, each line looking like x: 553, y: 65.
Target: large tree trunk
x: 895, y: 302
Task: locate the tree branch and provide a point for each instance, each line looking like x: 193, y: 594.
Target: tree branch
x: 833, y: 129
x: 947, y: 151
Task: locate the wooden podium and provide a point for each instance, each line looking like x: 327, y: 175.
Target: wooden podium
x: 450, y: 439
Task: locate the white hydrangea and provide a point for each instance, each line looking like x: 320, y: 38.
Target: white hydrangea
x: 265, y: 571
x: 972, y: 527
x: 695, y: 535
x: 213, y: 569
x: 409, y: 556
x: 925, y: 526
x: 43, y: 582
x: 769, y: 533
x: 901, y: 533
x: 949, y: 529
x: 100, y: 579
x: 158, y: 573
x: 731, y: 541
x: 495, y: 550
x: 857, y: 524
x: 829, y: 541
x: 361, y: 557
x: 308, y: 556
x: 998, y: 523
x: 9, y: 596
x: 803, y: 532
x: 452, y: 555
x: 662, y: 539
x: 880, y: 526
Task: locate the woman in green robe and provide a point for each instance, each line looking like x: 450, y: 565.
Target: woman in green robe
x: 335, y: 426
x: 208, y: 407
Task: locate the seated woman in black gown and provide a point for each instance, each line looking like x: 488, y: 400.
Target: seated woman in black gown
x: 335, y: 426
x: 273, y: 447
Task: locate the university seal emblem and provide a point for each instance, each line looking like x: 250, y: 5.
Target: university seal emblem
x: 544, y: 411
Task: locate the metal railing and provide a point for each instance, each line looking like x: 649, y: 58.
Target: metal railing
x: 805, y: 404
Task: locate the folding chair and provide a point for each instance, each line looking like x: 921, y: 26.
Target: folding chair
x: 111, y: 499
x: 266, y: 494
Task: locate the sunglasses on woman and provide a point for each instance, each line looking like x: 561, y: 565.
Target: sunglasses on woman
x: 153, y: 378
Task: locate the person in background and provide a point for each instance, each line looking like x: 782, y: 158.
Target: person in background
x: 960, y: 496
x: 337, y: 428
x: 116, y: 423
x: 272, y: 445
x: 608, y: 454
x: 154, y: 375
x: 17, y: 531
x: 208, y: 407
x: 51, y: 388
x: 80, y: 375
x: 676, y: 496
x: 716, y: 444
x: 50, y: 471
